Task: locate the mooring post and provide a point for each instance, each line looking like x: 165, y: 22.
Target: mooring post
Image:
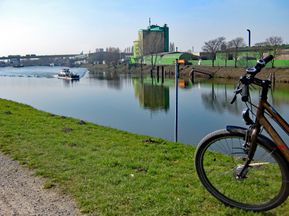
x: 158, y: 74
x: 176, y: 107
x: 163, y: 75
x: 272, y: 79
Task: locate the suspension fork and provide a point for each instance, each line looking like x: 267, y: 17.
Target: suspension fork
x: 250, y: 146
x: 252, y: 135
x: 253, y: 142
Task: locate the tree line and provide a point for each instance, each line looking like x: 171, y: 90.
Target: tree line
x: 232, y: 47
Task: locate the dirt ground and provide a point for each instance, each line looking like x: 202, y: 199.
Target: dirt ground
x: 22, y: 194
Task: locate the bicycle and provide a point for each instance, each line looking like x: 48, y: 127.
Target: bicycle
x: 240, y: 166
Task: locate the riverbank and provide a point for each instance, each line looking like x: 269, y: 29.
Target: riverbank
x: 108, y: 171
x: 281, y: 74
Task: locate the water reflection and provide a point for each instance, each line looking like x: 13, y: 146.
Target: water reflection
x: 219, y: 99
x: 150, y: 92
x: 280, y: 94
x: 185, y: 84
x: 152, y: 96
x: 112, y: 79
x: 69, y: 83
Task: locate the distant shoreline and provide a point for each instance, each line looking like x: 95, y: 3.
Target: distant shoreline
x: 281, y: 74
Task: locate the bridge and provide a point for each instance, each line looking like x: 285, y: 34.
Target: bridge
x: 31, y: 60
x: 36, y: 56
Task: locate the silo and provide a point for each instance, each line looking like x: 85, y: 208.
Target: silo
x: 166, y: 38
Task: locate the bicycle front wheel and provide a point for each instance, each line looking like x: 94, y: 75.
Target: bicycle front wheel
x: 220, y: 156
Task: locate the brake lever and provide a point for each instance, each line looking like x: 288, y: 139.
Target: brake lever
x: 234, y: 99
x: 237, y: 91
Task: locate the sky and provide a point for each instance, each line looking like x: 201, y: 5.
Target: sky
x: 74, y: 26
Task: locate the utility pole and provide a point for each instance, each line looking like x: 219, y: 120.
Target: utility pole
x: 177, y: 100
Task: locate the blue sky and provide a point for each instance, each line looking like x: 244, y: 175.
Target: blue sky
x: 72, y: 26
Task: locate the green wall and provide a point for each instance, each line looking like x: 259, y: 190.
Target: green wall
x: 166, y: 59
x: 240, y: 63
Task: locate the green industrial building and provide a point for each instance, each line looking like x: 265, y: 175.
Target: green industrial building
x: 152, y: 47
x: 154, y: 39
x: 167, y: 58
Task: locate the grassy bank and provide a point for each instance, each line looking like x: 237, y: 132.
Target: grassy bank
x: 108, y: 171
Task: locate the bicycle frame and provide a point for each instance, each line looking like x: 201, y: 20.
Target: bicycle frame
x: 261, y: 120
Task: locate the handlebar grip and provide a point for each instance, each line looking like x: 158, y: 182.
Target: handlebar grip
x: 268, y: 58
x: 260, y: 64
x: 245, y: 93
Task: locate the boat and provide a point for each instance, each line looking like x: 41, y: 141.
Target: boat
x: 65, y: 73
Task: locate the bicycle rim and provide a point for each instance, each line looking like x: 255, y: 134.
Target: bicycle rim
x: 265, y: 185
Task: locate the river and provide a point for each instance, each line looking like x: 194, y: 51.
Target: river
x: 140, y: 105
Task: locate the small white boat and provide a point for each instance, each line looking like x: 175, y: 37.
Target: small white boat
x: 65, y: 73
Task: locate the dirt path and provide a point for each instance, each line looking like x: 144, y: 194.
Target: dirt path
x: 21, y: 193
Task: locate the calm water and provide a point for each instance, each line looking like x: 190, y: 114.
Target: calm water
x: 143, y: 106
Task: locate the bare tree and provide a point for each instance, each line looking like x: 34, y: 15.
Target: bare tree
x: 274, y: 42
x: 236, y: 44
x: 212, y: 47
x: 225, y: 52
x: 154, y: 46
x: 261, y: 48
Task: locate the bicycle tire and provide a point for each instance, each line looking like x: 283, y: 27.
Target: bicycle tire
x: 251, y: 192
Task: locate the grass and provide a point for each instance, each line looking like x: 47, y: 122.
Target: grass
x: 108, y: 171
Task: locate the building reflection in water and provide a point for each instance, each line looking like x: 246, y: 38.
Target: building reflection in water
x: 151, y: 95
x: 112, y: 79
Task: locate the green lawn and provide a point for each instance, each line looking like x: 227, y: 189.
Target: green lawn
x: 108, y: 171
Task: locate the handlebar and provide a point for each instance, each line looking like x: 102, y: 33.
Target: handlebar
x: 268, y: 59
x: 247, y: 80
x: 260, y: 64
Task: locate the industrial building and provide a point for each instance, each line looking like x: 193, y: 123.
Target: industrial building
x: 154, y: 39
x: 168, y: 58
x: 152, y: 47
